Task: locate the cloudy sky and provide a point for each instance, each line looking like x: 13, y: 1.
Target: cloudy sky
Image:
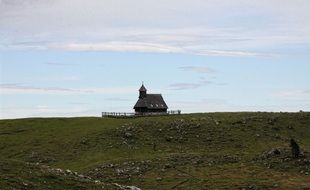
x: 82, y: 57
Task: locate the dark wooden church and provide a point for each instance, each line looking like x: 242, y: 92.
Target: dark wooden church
x: 150, y: 103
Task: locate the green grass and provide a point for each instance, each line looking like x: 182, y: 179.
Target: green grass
x: 193, y: 151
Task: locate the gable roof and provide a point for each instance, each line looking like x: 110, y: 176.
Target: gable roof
x: 151, y: 101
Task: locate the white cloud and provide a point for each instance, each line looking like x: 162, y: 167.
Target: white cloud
x: 142, y: 47
x: 201, y: 27
x: 119, y: 46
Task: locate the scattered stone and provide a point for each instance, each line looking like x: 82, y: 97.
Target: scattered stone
x: 272, y: 121
x: 59, y: 170
x: 81, y: 176
x: 84, y: 141
x: 252, y: 187
x: 216, y: 122
x: 167, y: 166
x: 169, y: 139
x: 68, y: 171
x: 124, y: 187
x: 128, y: 135
x: 203, y: 119
x: 275, y: 151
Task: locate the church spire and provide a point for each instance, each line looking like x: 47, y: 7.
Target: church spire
x: 142, y: 91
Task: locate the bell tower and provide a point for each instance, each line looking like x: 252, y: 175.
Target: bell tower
x: 142, y: 91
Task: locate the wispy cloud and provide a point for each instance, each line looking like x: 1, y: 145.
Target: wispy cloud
x: 24, y: 89
x: 5, y: 88
x: 117, y: 99
x: 120, y: 46
x: 183, y: 86
x: 258, y: 26
x: 187, y: 86
x: 60, y: 64
x: 46, y: 111
x: 293, y: 94
x: 139, y: 46
x: 198, y: 69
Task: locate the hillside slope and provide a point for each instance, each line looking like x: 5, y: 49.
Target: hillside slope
x: 194, y: 151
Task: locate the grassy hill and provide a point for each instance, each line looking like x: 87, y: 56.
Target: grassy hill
x: 194, y: 151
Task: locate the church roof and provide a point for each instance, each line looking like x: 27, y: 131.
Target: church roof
x: 151, y: 101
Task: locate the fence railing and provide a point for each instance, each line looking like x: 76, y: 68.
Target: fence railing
x: 132, y: 114
x: 117, y: 114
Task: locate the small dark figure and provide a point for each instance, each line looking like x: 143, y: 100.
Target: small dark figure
x: 295, y: 149
x: 154, y: 146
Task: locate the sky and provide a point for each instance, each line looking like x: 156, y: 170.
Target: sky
x: 70, y: 58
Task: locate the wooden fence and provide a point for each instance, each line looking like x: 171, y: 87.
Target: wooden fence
x: 131, y: 114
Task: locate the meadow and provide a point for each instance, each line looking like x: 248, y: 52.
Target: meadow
x: 244, y: 150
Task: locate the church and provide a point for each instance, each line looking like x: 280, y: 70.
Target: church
x: 150, y: 103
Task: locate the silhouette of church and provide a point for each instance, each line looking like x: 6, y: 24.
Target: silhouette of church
x: 150, y: 103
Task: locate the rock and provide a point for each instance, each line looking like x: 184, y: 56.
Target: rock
x: 252, y: 187
x: 273, y: 151
x: 159, y: 179
x: 59, y: 170
x: 169, y: 139
x: 203, y: 119
x: 276, y: 151
x: 68, y: 171
x: 216, y: 122
x: 167, y: 166
x: 128, y: 135
x: 84, y: 141
x: 124, y: 187
x: 119, y: 171
x: 81, y: 176
x: 272, y: 121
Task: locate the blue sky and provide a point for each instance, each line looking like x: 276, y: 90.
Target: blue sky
x: 79, y: 58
